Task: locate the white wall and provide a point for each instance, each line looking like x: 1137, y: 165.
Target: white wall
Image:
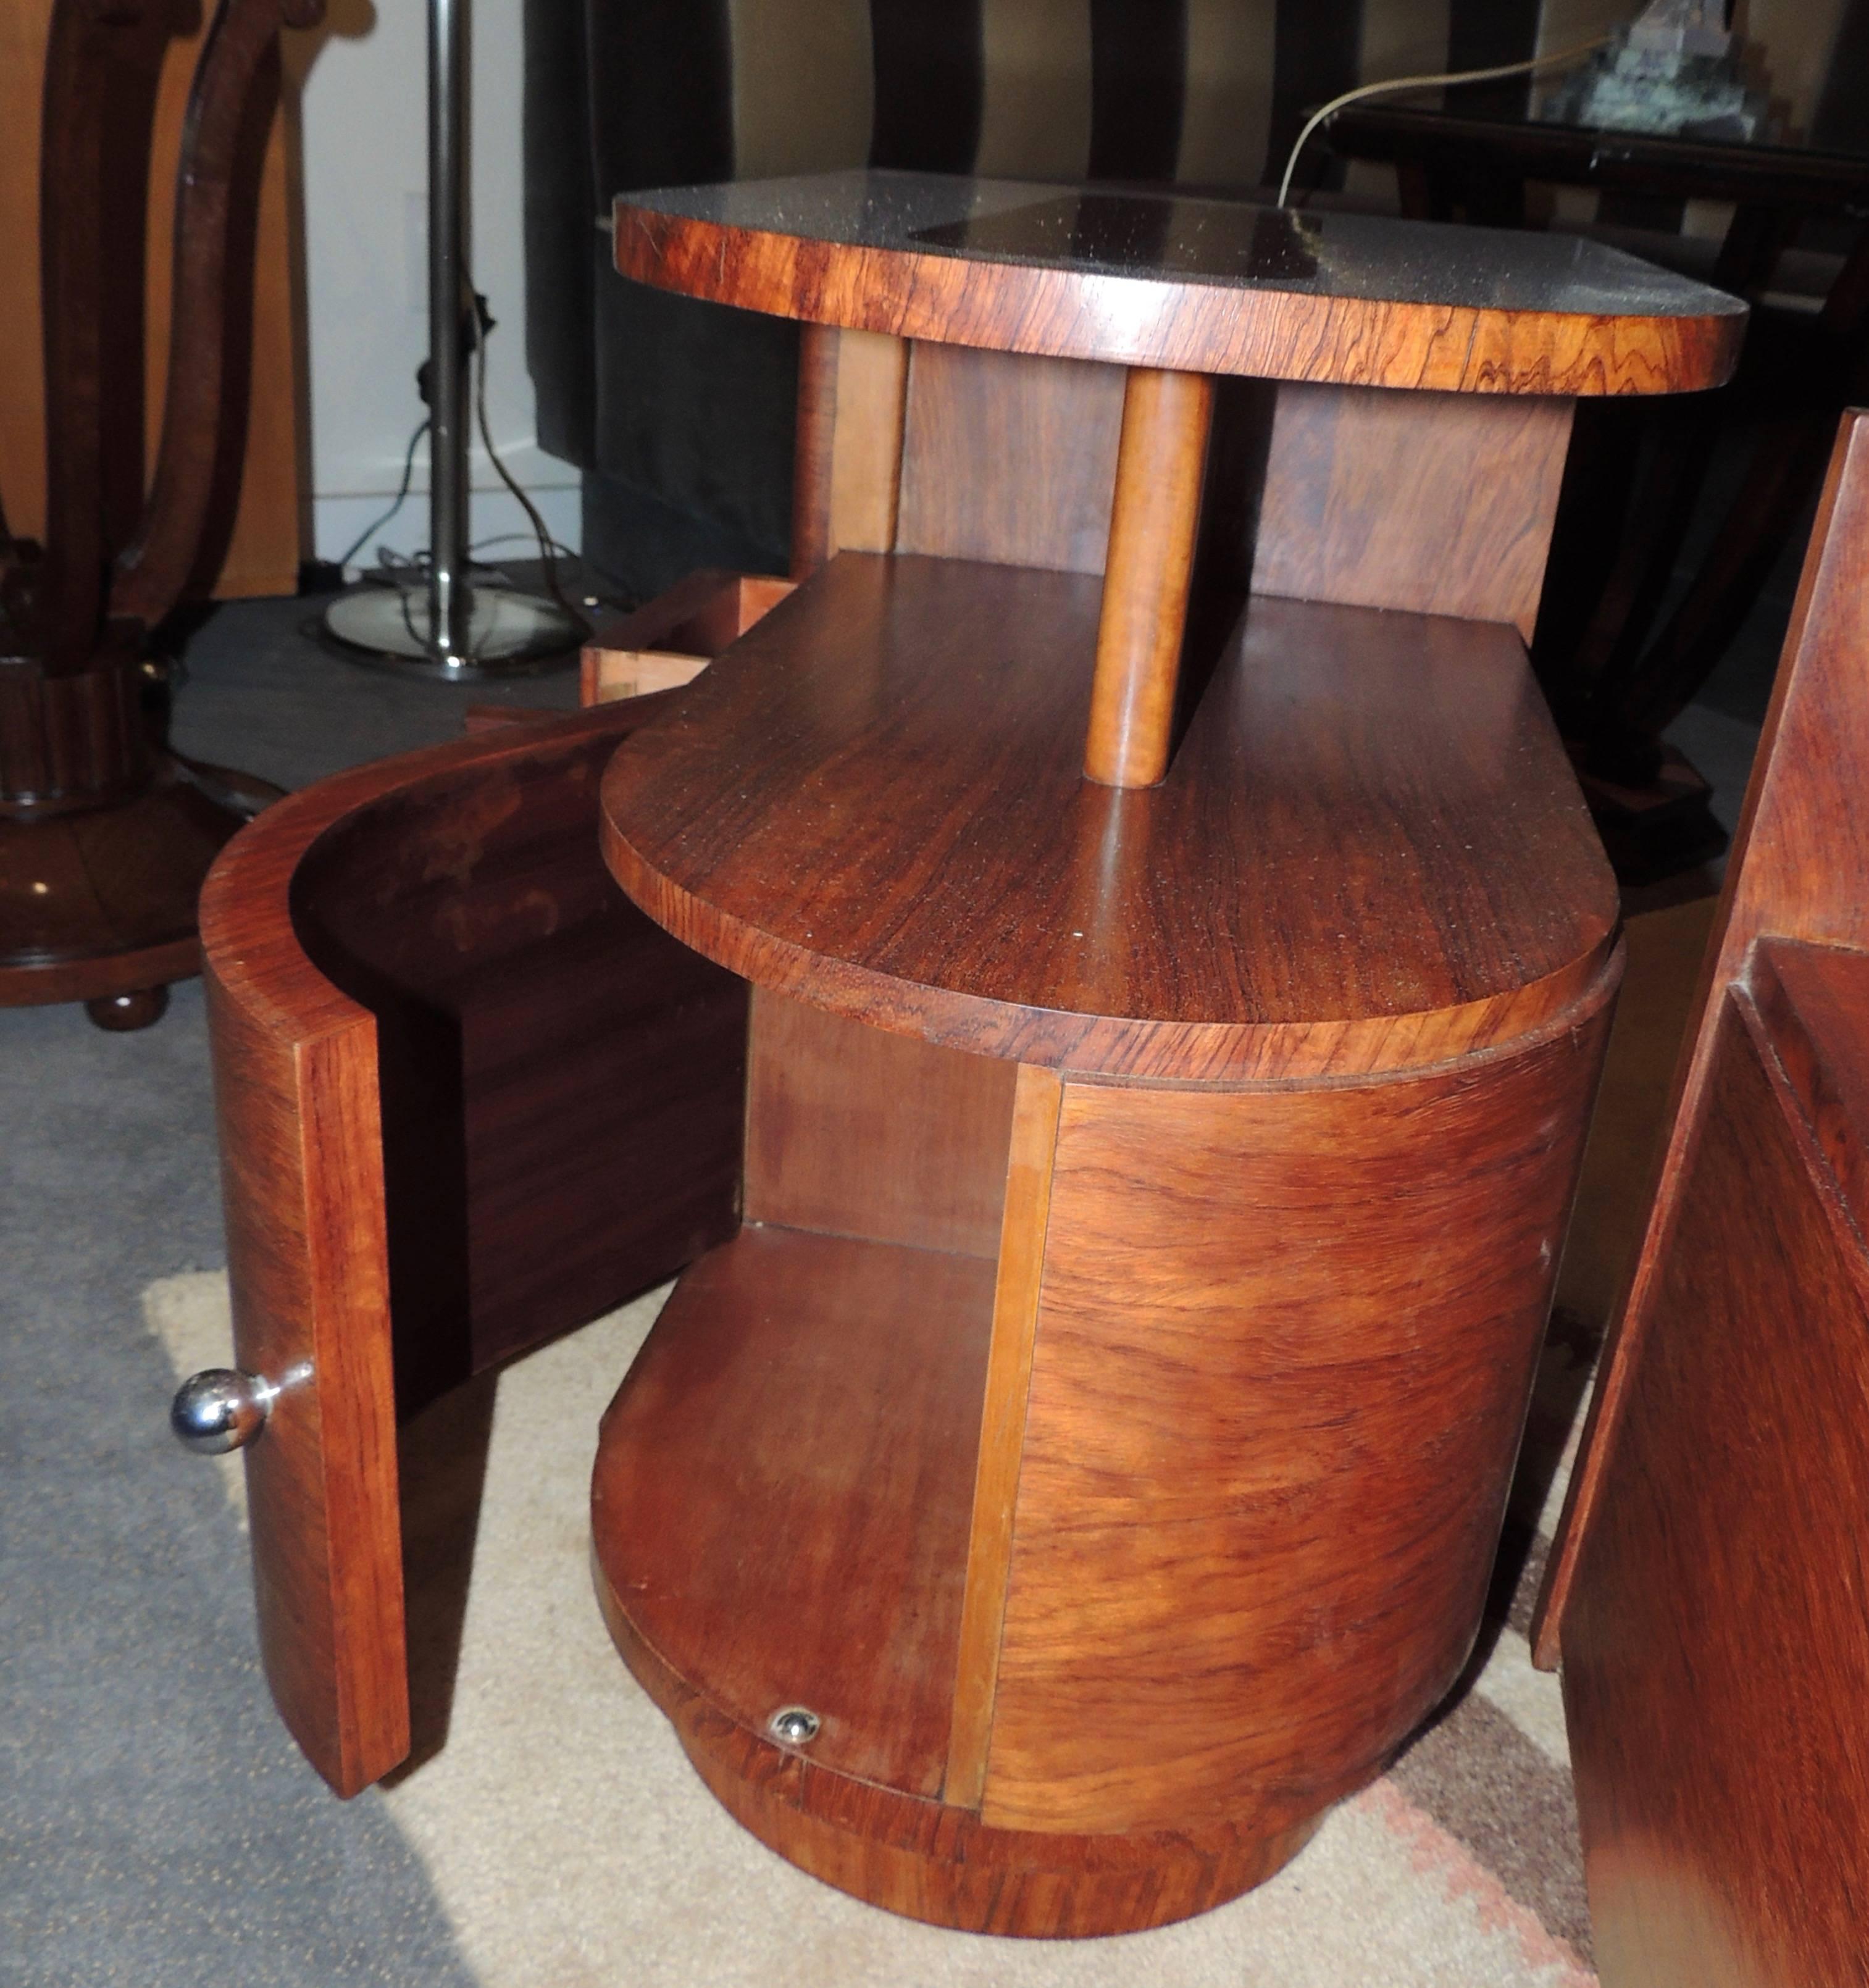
x: 365, y: 117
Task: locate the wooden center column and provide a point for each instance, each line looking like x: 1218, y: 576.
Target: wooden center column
x: 1161, y: 462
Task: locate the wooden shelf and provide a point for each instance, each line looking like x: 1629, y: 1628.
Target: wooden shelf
x: 1369, y: 853
x: 783, y: 1488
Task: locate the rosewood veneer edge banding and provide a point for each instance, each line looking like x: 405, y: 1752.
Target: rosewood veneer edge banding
x: 1036, y: 1103
x: 1155, y: 519
x: 1184, y: 326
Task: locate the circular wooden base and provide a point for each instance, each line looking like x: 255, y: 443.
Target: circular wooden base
x: 930, y: 1861
x: 98, y: 905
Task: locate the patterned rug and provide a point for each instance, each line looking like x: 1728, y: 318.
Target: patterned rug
x: 571, y: 1845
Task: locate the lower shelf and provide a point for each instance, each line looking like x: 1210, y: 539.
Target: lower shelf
x: 784, y: 1484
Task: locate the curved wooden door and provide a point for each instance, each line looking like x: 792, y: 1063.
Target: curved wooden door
x: 469, y: 1098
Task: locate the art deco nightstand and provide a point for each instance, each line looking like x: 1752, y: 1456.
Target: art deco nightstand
x: 1105, y: 997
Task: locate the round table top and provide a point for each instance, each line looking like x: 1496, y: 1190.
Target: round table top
x: 1195, y: 284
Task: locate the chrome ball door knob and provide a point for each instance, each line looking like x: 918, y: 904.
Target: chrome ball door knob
x: 219, y: 1409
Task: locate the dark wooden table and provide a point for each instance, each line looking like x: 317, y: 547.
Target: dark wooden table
x: 1617, y: 678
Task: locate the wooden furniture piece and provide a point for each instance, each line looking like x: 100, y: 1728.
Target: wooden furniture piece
x: 672, y: 640
x: 1123, y: 1219
x: 256, y: 538
x: 1707, y: 1596
x: 1618, y: 670
x: 105, y: 836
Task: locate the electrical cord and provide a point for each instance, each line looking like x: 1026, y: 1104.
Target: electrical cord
x: 547, y: 559
x: 1336, y: 103
x: 402, y: 490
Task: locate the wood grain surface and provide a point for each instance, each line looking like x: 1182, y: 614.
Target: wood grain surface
x: 1019, y: 1279
x: 308, y: 1263
x: 855, y: 1132
x: 1284, y: 1349
x: 874, y: 801
x: 1799, y: 870
x: 1715, y: 1651
x: 523, y: 1105
x: 781, y: 1498
x: 668, y: 641
x: 1438, y: 504
x: 845, y: 250
x: 935, y: 1862
x: 259, y: 548
x: 1155, y: 519
x: 1008, y: 458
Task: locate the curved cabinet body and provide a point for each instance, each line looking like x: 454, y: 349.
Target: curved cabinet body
x: 1108, y: 1558
x: 1102, y: 1426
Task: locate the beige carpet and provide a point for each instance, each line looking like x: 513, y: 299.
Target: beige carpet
x: 571, y: 1846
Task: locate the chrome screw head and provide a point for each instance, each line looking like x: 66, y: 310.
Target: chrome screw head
x: 794, y: 1726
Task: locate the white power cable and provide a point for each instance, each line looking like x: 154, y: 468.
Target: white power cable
x: 1425, y: 82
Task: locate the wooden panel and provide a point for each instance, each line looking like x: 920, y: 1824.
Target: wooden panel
x: 562, y: 1082
x: 1186, y: 285
x: 1799, y: 869
x: 1009, y: 458
x: 1285, y: 1346
x: 1438, y: 503
x: 1002, y: 1427
x: 782, y: 1490
x: 518, y: 1111
x: 855, y: 1132
x: 295, y: 1088
x: 671, y: 640
x: 867, y: 449
x: 1716, y: 1656
x: 263, y: 551
x: 941, y: 1864
x: 1812, y: 999
x: 873, y: 802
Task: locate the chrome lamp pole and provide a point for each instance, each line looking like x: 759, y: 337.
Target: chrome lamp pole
x: 450, y: 626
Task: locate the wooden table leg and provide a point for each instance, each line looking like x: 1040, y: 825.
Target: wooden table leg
x: 1160, y: 462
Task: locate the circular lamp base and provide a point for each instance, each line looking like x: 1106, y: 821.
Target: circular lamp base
x: 509, y: 633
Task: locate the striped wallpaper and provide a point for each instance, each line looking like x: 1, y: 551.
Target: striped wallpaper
x: 683, y: 412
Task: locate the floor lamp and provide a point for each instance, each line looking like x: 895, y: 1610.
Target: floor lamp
x: 452, y: 627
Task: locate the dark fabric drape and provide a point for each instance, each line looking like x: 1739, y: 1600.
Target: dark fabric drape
x: 931, y: 81
x: 1138, y: 87
x: 692, y: 403
x: 1316, y: 48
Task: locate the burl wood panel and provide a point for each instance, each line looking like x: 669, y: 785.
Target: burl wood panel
x: 1799, y: 869
x: 874, y: 801
x: 1715, y: 1649
x: 519, y: 1110
x: 857, y: 1133
x: 846, y: 250
x: 1285, y: 1345
x: 780, y: 1503
x: 935, y: 1862
x: 1008, y: 458
x: 1438, y: 503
